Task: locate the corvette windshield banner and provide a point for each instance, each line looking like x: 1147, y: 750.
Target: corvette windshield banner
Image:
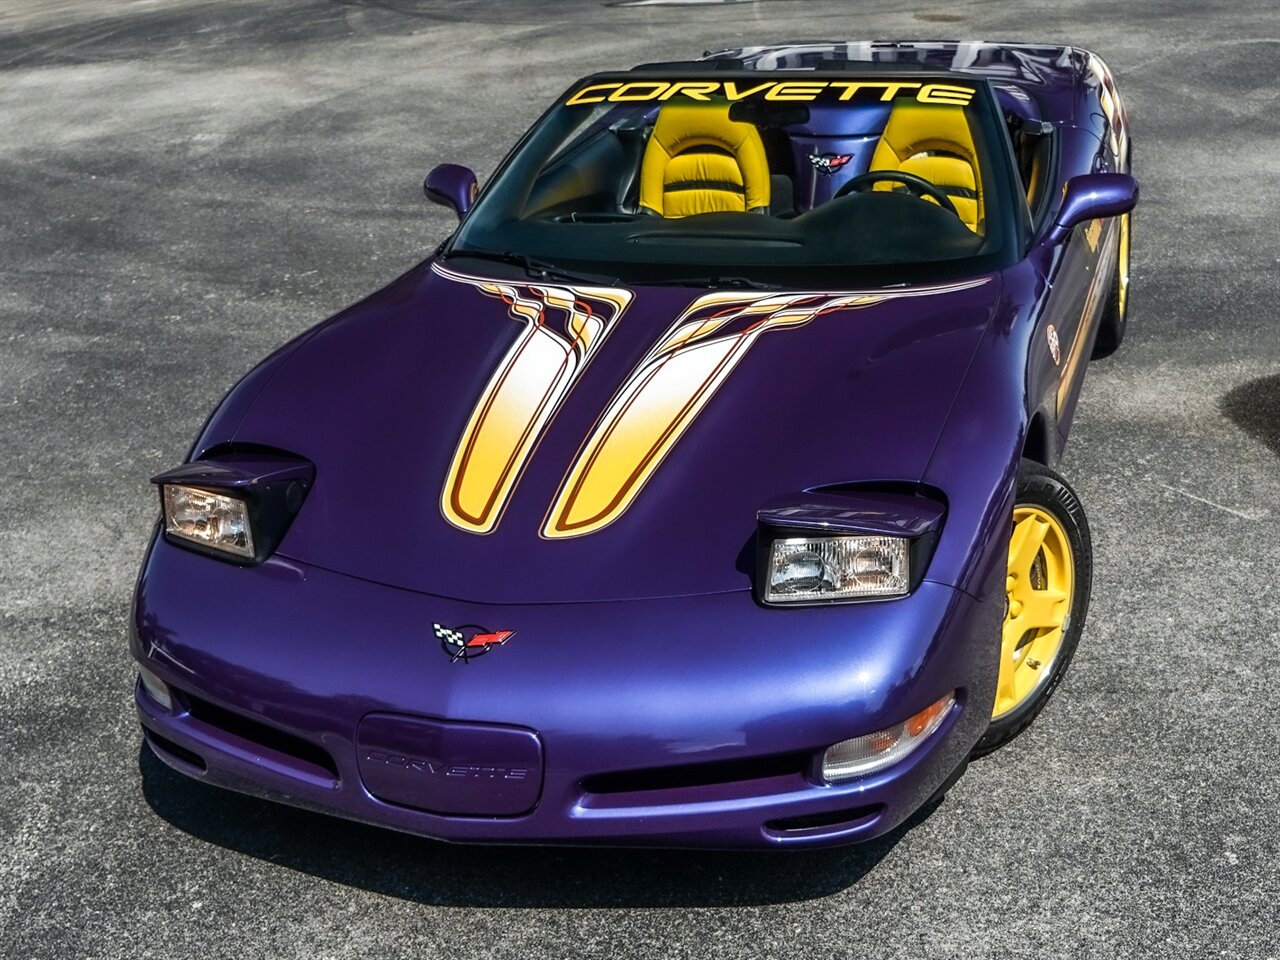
x: 784, y: 91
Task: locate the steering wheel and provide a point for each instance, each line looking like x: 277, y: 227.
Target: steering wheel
x: 918, y: 186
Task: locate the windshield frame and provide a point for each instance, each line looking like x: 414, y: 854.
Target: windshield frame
x: 1012, y: 218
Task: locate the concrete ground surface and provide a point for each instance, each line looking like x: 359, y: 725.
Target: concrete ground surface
x: 186, y: 185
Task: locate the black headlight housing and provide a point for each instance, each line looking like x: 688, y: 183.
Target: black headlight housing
x: 235, y: 503
x: 848, y: 544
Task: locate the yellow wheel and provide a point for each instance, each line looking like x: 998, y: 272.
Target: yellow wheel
x: 1038, y: 591
x: 1115, y: 313
x: 1122, y: 278
x: 1047, y: 585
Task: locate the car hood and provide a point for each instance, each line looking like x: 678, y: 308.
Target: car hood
x: 509, y: 441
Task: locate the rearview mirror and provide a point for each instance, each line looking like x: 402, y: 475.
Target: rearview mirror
x: 1092, y: 196
x: 766, y: 114
x: 451, y: 185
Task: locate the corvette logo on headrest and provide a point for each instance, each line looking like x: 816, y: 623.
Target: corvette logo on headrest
x: 829, y: 163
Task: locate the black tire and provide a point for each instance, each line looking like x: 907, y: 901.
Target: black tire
x: 1115, y: 315
x: 1042, y: 487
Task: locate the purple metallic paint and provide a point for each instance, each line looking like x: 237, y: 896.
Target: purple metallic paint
x: 641, y: 647
x: 711, y: 678
x: 449, y: 768
x: 864, y: 511
x: 382, y: 396
x: 826, y: 132
x: 452, y: 185
x: 1091, y: 196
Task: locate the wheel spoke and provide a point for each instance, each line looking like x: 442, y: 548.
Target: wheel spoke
x: 1010, y: 657
x: 1028, y: 538
x: 1007, y: 684
x: 1013, y: 632
x: 1043, y: 648
x: 1042, y: 608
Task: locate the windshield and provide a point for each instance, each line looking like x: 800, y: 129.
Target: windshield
x: 757, y: 177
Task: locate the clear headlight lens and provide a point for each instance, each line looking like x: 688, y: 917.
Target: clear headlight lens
x: 876, y: 751
x: 208, y: 519
x: 805, y: 569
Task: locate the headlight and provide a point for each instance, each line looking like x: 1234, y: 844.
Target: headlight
x: 211, y: 520
x: 235, y: 504
x: 876, y: 751
x: 808, y: 569
x: 845, y: 545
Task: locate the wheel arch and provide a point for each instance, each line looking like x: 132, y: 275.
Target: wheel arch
x: 1038, y: 443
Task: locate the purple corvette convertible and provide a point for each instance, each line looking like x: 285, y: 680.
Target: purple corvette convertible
x: 697, y: 491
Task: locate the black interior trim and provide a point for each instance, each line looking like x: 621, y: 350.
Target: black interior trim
x: 726, y: 185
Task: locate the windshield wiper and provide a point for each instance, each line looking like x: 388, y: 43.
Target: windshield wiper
x: 536, y: 269
x: 549, y: 272
x: 716, y: 283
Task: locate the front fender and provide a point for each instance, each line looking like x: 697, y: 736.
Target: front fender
x: 978, y: 453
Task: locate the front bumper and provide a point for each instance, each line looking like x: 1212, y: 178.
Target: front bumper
x: 684, y: 722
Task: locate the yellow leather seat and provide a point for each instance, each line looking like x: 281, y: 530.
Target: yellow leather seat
x: 699, y: 161
x: 934, y: 141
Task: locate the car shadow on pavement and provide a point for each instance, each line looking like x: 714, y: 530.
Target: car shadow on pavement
x: 441, y: 874
x: 1254, y: 407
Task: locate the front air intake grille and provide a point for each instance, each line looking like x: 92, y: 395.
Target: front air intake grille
x: 832, y: 818
x: 699, y: 774
x: 303, y: 754
x: 166, y: 746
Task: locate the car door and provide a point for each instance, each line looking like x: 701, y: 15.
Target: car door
x: 1077, y: 271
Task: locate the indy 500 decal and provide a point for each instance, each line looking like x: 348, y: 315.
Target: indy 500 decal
x: 652, y: 409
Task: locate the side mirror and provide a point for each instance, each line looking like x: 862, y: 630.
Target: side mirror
x: 1091, y: 197
x: 451, y: 185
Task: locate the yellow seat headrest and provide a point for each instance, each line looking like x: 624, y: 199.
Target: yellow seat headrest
x: 699, y: 161
x: 934, y: 141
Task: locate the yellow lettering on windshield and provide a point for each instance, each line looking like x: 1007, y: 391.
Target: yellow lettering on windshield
x: 694, y: 91
x: 795, y: 91
x: 629, y: 92
x: 801, y: 91
x: 851, y: 87
x: 581, y: 95
x: 945, y: 93
x: 732, y: 93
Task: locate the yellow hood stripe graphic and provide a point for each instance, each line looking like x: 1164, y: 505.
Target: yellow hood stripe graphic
x: 669, y: 388
x: 525, y: 390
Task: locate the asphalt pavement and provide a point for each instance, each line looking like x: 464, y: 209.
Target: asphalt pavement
x: 186, y: 185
